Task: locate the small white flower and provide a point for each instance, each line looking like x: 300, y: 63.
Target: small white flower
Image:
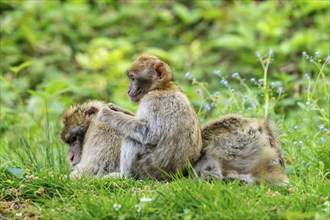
x: 116, y: 206
x: 258, y: 54
x: 138, y: 208
x: 252, y: 80
x: 145, y: 199
x: 19, y: 214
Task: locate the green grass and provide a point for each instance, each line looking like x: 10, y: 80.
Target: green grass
x: 35, y: 183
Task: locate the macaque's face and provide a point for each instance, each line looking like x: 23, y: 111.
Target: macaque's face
x: 75, y: 123
x: 139, y: 85
x: 147, y: 73
x: 74, y: 137
x: 275, y: 172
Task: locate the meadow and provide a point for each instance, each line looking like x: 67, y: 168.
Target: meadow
x: 266, y: 59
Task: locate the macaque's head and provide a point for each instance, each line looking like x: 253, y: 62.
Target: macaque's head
x: 147, y: 73
x: 76, y: 120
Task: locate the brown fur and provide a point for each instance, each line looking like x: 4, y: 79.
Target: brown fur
x: 244, y: 148
x: 165, y: 133
x: 97, y: 151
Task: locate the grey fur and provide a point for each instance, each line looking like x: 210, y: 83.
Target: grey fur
x: 165, y: 133
x: 101, y: 143
x: 243, y: 148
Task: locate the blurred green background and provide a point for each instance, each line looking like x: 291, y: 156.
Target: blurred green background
x: 55, y: 53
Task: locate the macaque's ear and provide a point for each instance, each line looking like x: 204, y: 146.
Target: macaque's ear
x: 160, y: 70
x: 91, y: 110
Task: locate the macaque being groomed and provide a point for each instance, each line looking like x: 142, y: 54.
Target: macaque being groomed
x: 241, y: 148
x: 165, y: 133
x: 94, y: 145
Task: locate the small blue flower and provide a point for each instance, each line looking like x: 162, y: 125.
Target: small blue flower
x: 279, y: 90
x: 328, y: 58
x: 252, y: 80
x: 224, y: 82
x: 249, y: 109
x: 306, y: 75
x: 275, y: 84
x: 258, y: 54
x: 235, y: 75
x: 308, y: 103
x: 295, y: 143
x: 307, y: 137
x: 260, y: 81
x: 304, y: 53
x: 322, y: 140
x: 321, y: 126
x: 270, y: 52
x: 217, y: 72
x: 301, y: 142
x: 317, y: 53
x: 199, y: 92
x: 295, y: 127
x: 207, y: 108
x: 217, y: 93
x: 188, y: 75
x: 308, y: 164
x: 232, y: 90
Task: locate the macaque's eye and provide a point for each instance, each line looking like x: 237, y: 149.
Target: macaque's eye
x: 277, y: 161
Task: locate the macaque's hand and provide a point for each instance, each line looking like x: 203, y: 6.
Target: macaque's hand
x: 105, y: 113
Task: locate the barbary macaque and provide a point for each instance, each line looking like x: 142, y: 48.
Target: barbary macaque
x: 165, y: 134
x: 248, y: 149
x: 94, y: 145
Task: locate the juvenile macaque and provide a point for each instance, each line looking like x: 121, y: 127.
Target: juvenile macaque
x: 165, y: 133
x: 242, y: 148
x: 94, y: 145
